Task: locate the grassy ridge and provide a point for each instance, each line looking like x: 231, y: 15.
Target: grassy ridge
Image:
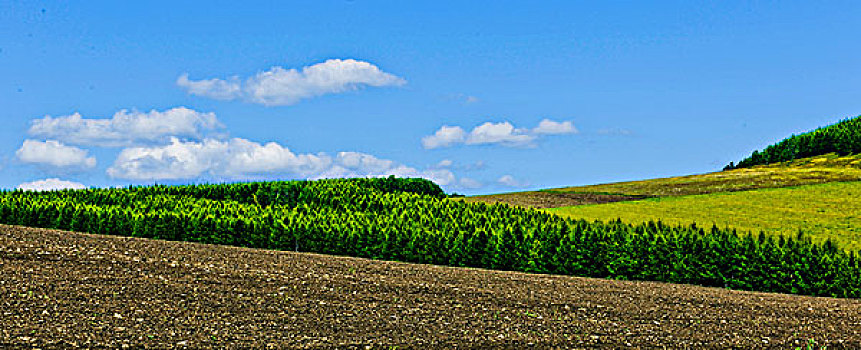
x: 843, y: 138
x: 388, y: 219
x: 822, y: 169
x: 824, y: 211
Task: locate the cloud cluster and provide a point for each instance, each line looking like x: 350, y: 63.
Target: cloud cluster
x: 51, y: 185
x: 126, y: 128
x: 502, y: 133
x: 175, y: 145
x: 238, y: 158
x: 279, y: 86
x: 356, y: 164
x: 212, y: 158
x: 54, y: 154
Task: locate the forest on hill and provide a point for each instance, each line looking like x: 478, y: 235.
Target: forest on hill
x: 843, y: 138
x: 411, y: 220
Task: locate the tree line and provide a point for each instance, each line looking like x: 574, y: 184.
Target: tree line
x: 843, y: 138
x: 411, y: 220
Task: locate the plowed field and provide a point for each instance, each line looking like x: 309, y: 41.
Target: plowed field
x: 61, y: 290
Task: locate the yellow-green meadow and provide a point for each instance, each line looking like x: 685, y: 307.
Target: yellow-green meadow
x: 823, y: 211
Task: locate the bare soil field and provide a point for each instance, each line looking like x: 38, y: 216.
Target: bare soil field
x: 64, y: 290
x: 548, y: 199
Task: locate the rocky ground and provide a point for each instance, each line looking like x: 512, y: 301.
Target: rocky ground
x: 61, y: 290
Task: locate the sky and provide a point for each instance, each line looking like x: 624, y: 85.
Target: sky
x: 478, y: 96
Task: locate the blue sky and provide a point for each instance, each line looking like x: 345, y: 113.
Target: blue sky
x: 532, y: 95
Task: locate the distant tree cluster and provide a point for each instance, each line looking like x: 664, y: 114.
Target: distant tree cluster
x: 843, y: 138
x: 411, y: 220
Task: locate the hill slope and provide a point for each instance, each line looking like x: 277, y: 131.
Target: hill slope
x: 819, y: 195
x: 814, y: 170
x: 63, y: 289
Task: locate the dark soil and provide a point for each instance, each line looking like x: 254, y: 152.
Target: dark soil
x: 61, y: 290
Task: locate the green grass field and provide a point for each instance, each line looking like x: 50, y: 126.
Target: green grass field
x: 819, y: 195
x: 831, y: 210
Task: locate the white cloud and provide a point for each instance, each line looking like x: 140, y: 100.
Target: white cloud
x: 510, y: 181
x: 501, y: 133
x: 363, y: 163
x: 243, y: 159
x: 278, y: 86
x: 355, y: 164
x: 444, y: 137
x: 234, y: 158
x: 549, y: 127
x: 50, y: 185
x: 444, y: 164
x: 469, y: 183
x: 451, y: 165
x: 126, y: 128
x: 55, y: 154
x: 213, y: 88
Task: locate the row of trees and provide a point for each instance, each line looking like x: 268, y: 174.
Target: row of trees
x: 843, y: 138
x: 407, y: 220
